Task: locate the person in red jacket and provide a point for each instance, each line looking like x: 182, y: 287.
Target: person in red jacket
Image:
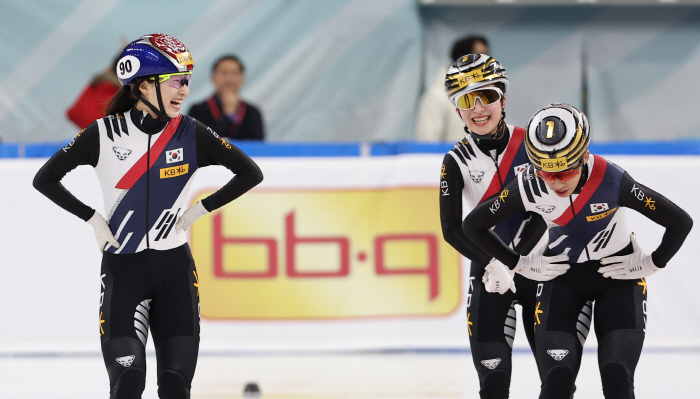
x: 93, y: 100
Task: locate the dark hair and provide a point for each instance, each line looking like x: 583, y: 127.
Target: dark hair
x: 466, y: 46
x: 126, y: 97
x: 228, y: 57
x: 501, y: 86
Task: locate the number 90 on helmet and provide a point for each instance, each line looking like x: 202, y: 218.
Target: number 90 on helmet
x: 154, y: 54
x: 471, y: 72
x: 557, y: 138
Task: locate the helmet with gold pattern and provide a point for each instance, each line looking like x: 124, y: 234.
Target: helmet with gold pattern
x: 557, y: 138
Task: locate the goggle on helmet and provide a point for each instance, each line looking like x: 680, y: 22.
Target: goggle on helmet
x: 557, y: 138
x: 471, y: 72
x: 154, y: 54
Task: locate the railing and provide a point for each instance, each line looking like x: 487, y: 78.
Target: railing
x: 306, y: 149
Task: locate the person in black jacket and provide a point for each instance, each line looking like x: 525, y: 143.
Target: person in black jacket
x: 225, y: 111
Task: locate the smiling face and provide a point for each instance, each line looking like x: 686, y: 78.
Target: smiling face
x: 483, y: 119
x: 173, y: 92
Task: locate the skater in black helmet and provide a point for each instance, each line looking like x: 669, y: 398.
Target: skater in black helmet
x: 583, y: 198
x: 490, y: 156
x: 145, y: 154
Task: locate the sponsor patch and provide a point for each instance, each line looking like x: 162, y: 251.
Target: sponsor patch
x: 476, y: 176
x: 554, y: 165
x: 121, y: 153
x: 176, y: 155
x: 185, y: 58
x: 223, y: 140
x: 494, y: 207
x: 225, y: 143
x: 558, y: 354
x: 126, y: 361
x: 69, y: 145
x: 491, y: 363
x: 639, y: 194
x: 503, y: 196
x: 174, y: 171
x: 599, y: 216
x: 546, y: 208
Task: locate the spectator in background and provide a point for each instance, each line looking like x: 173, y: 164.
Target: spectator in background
x: 93, y: 100
x: 225, y: 112
x: 436, y: 119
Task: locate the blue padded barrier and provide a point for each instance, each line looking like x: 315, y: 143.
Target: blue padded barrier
x: 264, y: 149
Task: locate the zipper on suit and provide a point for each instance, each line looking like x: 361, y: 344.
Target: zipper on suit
x: 148, y: 189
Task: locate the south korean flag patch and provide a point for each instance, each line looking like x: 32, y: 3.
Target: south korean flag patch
x: 595, y: 208
x: 172, y: 156
x: 520, y: 168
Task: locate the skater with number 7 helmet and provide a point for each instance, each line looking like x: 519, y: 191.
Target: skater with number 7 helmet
x: 583, y: 198
x: 488, y: 158
x: 145, y: 154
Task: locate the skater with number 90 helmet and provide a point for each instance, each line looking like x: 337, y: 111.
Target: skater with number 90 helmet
x: 145, y: 154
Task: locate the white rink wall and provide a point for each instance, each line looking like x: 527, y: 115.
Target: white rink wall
x: 50, y: 262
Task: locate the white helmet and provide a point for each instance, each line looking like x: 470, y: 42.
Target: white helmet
x: 557, y: 137
x: 471, y: 72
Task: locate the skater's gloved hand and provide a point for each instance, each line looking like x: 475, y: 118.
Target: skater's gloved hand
x: 498, y: 277
x: 102, y: 232
x: 189, y: 216
x: 538, y: 267
x: 629, y: 267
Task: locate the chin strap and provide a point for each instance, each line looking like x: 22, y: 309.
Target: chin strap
x: 500, y: 129
x: 162, y: 116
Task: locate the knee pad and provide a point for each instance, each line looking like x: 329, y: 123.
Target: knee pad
x: 495, y: 385
x: 130, y: 384
x: 617, y: 381
x: 493, y: 365
x: 558, y: 383
x: 125, y: 359
x: 172, y: 385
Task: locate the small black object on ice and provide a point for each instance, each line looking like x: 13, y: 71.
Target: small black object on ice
x: 251, y: 389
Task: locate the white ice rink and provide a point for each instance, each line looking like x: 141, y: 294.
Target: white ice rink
x: 660, y: 374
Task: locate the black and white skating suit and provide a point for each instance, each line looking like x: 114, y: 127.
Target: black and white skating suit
x: 475, y: 170
x: 145, y: 168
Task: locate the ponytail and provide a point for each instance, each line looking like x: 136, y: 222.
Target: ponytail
x: 126, y: 98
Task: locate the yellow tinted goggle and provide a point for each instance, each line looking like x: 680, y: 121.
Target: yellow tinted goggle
x: 487, y: 96
x: 175, y: 83
x: 163, y: 78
